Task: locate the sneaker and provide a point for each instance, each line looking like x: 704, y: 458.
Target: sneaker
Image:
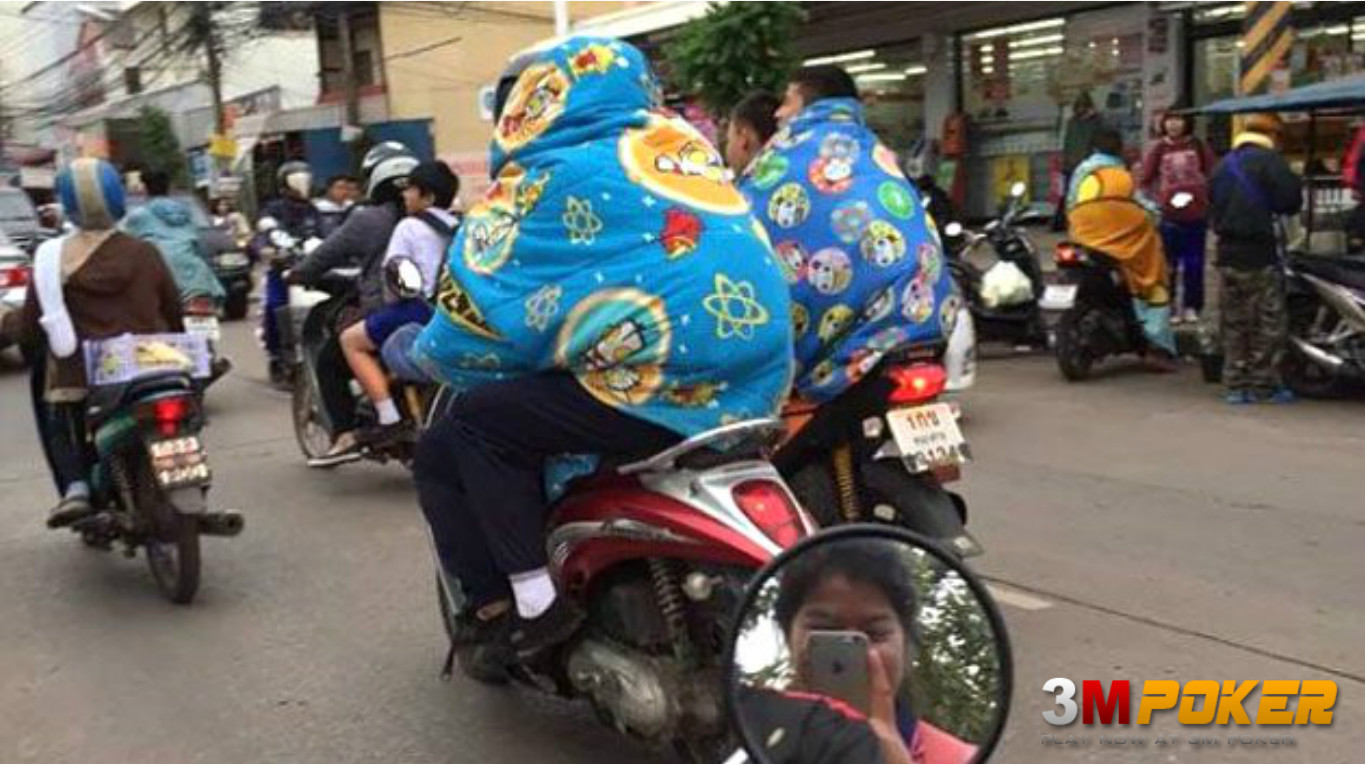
x: 1239, y: 397
x: 343, y: 451
x: 381, y: 435
x: 69, y: 510
x: 1282, y: 396
x: 557, y: 624
x: 1190, y: 316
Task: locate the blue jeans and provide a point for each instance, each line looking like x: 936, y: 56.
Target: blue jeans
x: 277, y: 296
x: 1184, y: 243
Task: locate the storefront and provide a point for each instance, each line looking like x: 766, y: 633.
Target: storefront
x: 1017, y: 84
x: 1328, y: 44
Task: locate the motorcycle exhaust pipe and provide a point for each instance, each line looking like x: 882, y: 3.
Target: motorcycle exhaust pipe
x: 220, y: 523
x: 1323, y: 359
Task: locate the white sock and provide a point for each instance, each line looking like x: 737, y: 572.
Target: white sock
x: 77, y: 490
x: 533, y: 591
x: 388, y: 412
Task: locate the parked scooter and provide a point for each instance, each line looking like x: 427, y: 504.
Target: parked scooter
x: 883, y: 451
x: 657, y: 551
x: 1004, y: 298
x: 1326, y: 326
x: 152, y: 479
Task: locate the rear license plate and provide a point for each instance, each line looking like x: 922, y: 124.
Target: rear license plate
x: 1059, y: 297
x: 928, y: 437
x: 179, y: 462
x: 202, y: 325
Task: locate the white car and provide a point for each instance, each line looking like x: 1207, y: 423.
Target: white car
x: 16, y: 270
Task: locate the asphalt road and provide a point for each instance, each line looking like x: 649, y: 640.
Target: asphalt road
x: 1136, y: 529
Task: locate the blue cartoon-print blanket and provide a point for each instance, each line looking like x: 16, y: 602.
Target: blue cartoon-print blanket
x: 857, y: 248
x: 613, y: 244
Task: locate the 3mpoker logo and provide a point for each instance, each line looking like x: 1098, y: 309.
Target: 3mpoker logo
x: 1197, y: 702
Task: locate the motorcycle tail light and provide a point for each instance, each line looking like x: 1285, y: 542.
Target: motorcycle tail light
x: 200, y: 305
x: 769, y: 506
x: 14, y: 277
x: 167, y: 414
x: 916, y: 383
x: 1066, y: 253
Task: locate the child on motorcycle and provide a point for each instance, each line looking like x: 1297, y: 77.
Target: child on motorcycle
x: 422, y: 238
x: 609, y: 295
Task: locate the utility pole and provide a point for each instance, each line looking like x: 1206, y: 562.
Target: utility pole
x: 349, y: 89
x: 206, y: 35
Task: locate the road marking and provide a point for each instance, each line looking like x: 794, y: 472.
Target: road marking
x: 1014, y: 597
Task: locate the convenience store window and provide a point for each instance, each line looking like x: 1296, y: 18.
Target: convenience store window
x: 891, y: 83
x: 1324, y: 51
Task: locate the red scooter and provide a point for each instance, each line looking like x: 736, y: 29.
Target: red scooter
x: 658, y: 552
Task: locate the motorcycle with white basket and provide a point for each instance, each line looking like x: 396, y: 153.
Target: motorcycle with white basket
x: 152, y: 476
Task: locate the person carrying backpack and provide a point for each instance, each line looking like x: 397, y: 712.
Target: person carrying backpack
x: 1249, y: 188
x: 422, y: 237
x: 1179, y: 162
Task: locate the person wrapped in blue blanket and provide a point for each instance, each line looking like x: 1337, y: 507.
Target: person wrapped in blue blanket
x: 611, y: 294
x: 860, y: 254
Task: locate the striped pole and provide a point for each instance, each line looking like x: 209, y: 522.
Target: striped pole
x: 1267, y: 37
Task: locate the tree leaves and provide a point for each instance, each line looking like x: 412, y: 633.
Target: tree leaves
x: 732, y: 50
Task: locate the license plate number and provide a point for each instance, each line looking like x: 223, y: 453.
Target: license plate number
x: 1059, y: 297
x: 928, y: 437
x: 179, y: 462
x: 203, y: 326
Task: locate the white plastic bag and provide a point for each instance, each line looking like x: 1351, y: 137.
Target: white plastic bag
x: 1005, y: 284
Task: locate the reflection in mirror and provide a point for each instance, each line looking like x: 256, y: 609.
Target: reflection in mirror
x: 953, y: 229
x: 1017, y: 189
x: 869, y: 648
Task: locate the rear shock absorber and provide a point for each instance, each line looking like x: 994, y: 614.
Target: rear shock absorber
x: 669, y: 596
x: 842, y: 462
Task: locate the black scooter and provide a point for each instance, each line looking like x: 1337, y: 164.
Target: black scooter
x: 1098, y: 318
x: 1019, y: 323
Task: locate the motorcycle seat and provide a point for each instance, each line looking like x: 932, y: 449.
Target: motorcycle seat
x: 104, y: 402
x: 1343, y: 270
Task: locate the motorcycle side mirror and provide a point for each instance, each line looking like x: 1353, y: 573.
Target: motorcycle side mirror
x: 1182, y: 200
x: 1017, y: 190
x: 953, y: 229
x: 267, y: 223
x: 797, y: 694
x: 406, y: 279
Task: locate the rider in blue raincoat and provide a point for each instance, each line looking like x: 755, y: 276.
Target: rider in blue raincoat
x: 858, y: 250
x: 169, y: 225
x: 611, y: 294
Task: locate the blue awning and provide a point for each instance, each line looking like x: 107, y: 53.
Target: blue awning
x: 1334, y: 94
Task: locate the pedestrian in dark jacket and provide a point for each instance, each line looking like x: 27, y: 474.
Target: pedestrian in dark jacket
x: 1177, y: 165
x: 1250, y: 187
x: 1076, y: 146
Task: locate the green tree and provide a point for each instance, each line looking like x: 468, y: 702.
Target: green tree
x: 734, y: 49
x: 160, y: 147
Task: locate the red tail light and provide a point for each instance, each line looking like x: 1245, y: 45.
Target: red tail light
x: 769, y: 506
x: 14, y: 277
x: 200, y: 305
x: 167, y: 414
x: 916, y: 383
x: 1066, y: 253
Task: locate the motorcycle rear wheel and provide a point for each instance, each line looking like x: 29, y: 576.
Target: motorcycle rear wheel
x: 314, y: 440
x: 1074, y: 359
x: 1304, y: 376
x: 173, y: 544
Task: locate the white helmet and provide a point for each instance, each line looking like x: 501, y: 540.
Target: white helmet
x: 387, y: 171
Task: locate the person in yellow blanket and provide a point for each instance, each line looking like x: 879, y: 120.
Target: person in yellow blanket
x: 1106, y: 213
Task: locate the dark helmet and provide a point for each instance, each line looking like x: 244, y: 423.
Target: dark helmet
x: 507, y: 80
